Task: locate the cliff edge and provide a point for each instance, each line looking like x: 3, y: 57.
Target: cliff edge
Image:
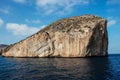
x: 79, y: 36
x: 2, y: 46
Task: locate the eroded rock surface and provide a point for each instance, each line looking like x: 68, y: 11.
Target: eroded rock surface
x: 80, y: 36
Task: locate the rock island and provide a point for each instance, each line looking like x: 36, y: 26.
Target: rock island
x: 80, y: 36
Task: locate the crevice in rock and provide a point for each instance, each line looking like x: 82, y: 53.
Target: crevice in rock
x: 50, y: 43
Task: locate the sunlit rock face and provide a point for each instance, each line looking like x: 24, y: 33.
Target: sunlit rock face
x: 80, y: 36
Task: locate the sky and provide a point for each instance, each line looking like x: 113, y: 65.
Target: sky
x: 22, y: 18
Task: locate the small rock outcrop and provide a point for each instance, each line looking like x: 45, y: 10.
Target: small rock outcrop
x: 2, y: 46
x: 80, y: 36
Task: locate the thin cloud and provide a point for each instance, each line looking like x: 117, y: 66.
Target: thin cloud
x: 1, y: 22
x: 20, y: 1
x: 5, y: 10
x: 21, y: 29
x: 111, y: 21
x: 112, y: 2
x: 33, y: 21
x: 43, y: 26
x: 59, y: 6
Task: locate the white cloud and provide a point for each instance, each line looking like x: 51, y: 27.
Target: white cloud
x: 111, y: 2
x: 111, y: 21
x: 33, y: 21
x: 59, y: 6
x: 20, y: 1
x: 21, y: 29
x: 1, y: 22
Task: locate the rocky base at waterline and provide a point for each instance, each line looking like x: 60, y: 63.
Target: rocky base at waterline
x: 79, y: 36
x: 2, y: 46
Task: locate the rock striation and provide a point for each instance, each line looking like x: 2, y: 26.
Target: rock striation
x: 80, y: 36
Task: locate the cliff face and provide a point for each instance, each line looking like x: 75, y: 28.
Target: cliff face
x: 2, y: 46
x: 80, y: 36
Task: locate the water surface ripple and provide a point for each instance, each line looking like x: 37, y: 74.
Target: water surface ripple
x: 96, y: 68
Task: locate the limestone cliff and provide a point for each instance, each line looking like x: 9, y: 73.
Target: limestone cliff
x: 80, y: 36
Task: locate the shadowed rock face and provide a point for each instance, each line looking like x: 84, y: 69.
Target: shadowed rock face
x: 2, y: 46
x: 80, y: 36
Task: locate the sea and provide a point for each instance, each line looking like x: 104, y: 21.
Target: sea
x: 93, y: 68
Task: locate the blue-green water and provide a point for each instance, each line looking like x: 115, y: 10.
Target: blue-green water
x: 95, y: 68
